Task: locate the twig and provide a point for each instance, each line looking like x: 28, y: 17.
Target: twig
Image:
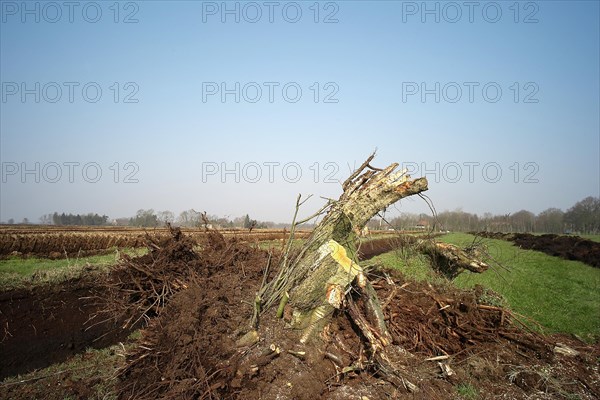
x: 357, y: 172
x: 292, y: 231
x: 282, y: 304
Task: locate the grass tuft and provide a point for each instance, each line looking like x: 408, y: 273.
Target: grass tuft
x: 467, y: 391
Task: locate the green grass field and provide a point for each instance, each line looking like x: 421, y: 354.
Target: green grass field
x: 17, y: 271
x: 561, y: 295
x: 595, y: 238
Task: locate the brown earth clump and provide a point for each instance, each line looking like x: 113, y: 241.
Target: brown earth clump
x: 193, y: 332
x: 61, y: 245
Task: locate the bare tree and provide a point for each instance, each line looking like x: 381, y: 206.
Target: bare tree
x: 584, y: 216
x: 550, y: 221
x: 165, y: 217
x: 522, y: 221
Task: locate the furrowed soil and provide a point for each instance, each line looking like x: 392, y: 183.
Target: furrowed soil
x: 58, y: 242
x: 372, y: 248
x: 567, y: 247
x: 197, y: 307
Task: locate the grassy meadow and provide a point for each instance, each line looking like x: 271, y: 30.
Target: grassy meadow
x: 561, y: 295
x: 18, y: 272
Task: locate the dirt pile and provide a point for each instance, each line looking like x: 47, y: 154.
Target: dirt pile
x: 436, y: 321
x: 139, y: 287
x: 567, y: 247
x: 372, y: 248
x: 197, y: 347
x: 183, y: 353
x: 198, y: 299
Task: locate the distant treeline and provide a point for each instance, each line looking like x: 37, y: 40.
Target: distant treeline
x: 583, y: 217
x: 78, y: 219
x: 192, y: 218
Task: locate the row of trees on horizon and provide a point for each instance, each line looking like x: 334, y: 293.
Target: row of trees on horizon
x: 583, y: 217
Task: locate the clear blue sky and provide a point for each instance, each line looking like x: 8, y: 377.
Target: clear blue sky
x: 542, y: 131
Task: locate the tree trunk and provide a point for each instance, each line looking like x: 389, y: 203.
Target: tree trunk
x: 319, y: 275
x: 317, y: 280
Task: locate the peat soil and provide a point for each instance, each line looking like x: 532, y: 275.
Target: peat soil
x: 44, y: 325
x: 371, y: 248
x: 198, y: 307
x: 375, y: 247
x: 567, y: 247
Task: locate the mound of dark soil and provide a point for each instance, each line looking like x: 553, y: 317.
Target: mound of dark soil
x: 45, y: 325
x: 193, y: 337
x: 567, y: 247
x: 375, y: 247
x: 371, y: 248
x: 57, y: 245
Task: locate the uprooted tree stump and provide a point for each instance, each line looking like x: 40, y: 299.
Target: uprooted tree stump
x: 338, y: 340
x: 195, y: 347
x: 324, y: 276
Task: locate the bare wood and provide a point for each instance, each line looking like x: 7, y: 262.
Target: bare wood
x: 324, y: 276
x: 364, y: 196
